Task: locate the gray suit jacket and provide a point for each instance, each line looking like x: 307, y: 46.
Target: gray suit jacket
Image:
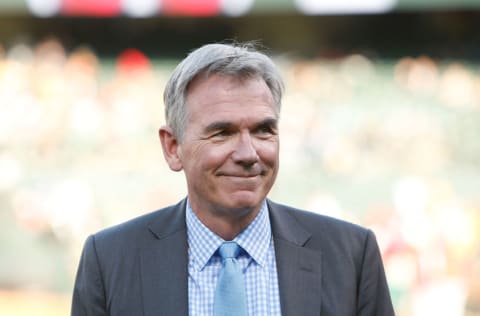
x: 325, y: 267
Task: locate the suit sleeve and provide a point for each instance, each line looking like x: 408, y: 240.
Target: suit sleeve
x: 373, y: 293
x: 88, y: 293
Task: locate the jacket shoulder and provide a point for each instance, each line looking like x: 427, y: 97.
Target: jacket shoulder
x: 316, y: 222
x: 320, y: 231
x: 141, y: 229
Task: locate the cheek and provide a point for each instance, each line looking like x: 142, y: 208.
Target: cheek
x: 269, y: 153
x: 210, y: 157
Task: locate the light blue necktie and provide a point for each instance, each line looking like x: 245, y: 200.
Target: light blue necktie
x: 230, y: 298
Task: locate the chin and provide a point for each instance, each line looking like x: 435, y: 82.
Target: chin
x: 245, y: 200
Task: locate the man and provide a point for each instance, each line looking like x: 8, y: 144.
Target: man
x: 222, y: 110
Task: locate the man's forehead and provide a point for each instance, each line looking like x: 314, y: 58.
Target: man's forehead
x: 203, y: 82
x: 226, y: 94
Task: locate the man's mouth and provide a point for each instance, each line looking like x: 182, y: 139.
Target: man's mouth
x: 241, y: 174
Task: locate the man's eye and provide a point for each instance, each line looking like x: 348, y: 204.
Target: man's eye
x: 265, y: 130
x: 222, y: 133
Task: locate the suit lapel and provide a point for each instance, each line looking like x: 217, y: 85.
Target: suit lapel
x: 163, y: 265
x: 299, y: 268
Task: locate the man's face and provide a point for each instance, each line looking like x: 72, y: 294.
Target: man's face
x: 229, y: 150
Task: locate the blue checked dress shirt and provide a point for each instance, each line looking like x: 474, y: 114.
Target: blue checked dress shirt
x: 258, y: 264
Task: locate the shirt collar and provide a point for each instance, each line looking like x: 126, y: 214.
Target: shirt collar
x: 255, y: 239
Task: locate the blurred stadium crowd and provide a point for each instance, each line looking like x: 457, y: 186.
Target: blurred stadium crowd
x: 390, y: 144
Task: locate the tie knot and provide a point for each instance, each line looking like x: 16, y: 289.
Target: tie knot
x: 229, y: 249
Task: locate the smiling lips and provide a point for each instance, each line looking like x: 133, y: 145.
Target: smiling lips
x: 254, y: 174
x: 241, y: 181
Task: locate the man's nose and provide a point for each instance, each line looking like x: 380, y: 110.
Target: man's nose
x: 245, y: 152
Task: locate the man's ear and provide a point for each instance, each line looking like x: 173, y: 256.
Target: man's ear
x: 170, y: 146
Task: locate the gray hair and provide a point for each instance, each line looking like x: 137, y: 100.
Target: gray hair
x: 241, y: 61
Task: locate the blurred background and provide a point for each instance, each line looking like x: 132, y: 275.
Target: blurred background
x: 380, y: 126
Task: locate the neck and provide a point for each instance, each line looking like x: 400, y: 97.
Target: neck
x: 227, y: 224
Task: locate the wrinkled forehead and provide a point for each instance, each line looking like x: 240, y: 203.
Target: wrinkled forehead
x: 238, y: 77
x: 228, y: 83
x: 220, y: 93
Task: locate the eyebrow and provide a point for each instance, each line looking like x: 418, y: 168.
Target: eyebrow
x: 225, y: 125
x: 216, y: 126
x: 270, y: 122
